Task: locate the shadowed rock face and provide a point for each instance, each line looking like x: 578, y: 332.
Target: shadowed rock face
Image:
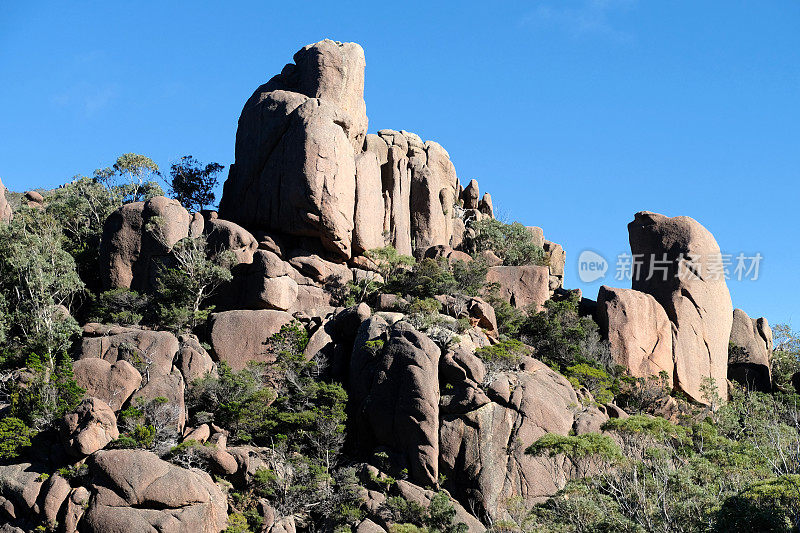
x: 396, y: 395
x: 685, y: 262
x: 130, y: 249
x: 749, y: 362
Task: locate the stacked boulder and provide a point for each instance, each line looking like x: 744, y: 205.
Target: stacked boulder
x: 678, y: 275
x: 306, y: 167
x: 137, y: 238
x: 438, y: 413
x: 310, y: 192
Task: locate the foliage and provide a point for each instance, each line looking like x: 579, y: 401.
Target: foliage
x: 231, y: 399
x: 237, y: 523
x: 501, y: 357
x: 45, y: 392
x: 183, y: 290
x: 438, y: 517
x: 785, y: 356
x: 427, y: 278
x: 643, y: 395
x: 301, y: 411
x: 119, y: 306
x: 132, y: 178
x: 151, y: 425
x: 14, y: 436
x: 735, y: 470
x: 586, y: 452
x: 512, y: 243
x: 597, y: 380
x: 772, y: 505
x: 192, y: 184
x: 562, y: 338
x: 38, y: 281
x: 509, y: 318
x: 81, y: 209
x: 390, y: 264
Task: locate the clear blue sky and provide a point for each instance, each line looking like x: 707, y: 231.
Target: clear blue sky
x: 573, y: 114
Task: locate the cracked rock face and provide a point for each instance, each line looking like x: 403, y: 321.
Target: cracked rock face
x: 295, y: 149
x: 483, y: 451
x: 305, y: 166
x: 395, y: 394
x: 680, y: 267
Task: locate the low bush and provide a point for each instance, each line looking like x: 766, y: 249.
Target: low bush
x: 512, y: 243
x: 501, y: 357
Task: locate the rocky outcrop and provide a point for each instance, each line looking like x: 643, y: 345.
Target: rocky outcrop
x: 557, y: 259
x: 305, y: 166
x: 111, y: 383
x: 6, y: 213
x: 483, y: 451
x: 750, y: 352
x: 192, y: 360
x: 638, y: 330
x: 136, y: 238
x: 368, y: 217
x: 152, y: 352
x: 20, y: 488
x: 395, y: 395
x: 241, y: 336
x: 223, y: 235
x: 681, y: 267
x: 419, y: 190
x: 295, y: 157
x: 134, y: 490
x: 89, y: 427
x: 522, y: 286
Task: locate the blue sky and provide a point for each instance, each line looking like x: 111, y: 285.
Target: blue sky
x: 573, y: 114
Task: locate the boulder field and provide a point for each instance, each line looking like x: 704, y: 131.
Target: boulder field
x: 310, y: 192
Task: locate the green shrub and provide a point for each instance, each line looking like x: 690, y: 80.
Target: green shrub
x: 119, y: 306
x: 149, y: 425
x: 785, y: 356
x: 501, y: 357
x: 512, y: 243
x: 48, y: 392
x: 438, y: 517
x: 509, y: 318
x: 37, y: 277
x: 182, y: 292
x: 595, y: 379
x: 770, y: 506
x: 15, y: 435
x: 391, y: 265
x: 237, y: 523
x: 562, y: 338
